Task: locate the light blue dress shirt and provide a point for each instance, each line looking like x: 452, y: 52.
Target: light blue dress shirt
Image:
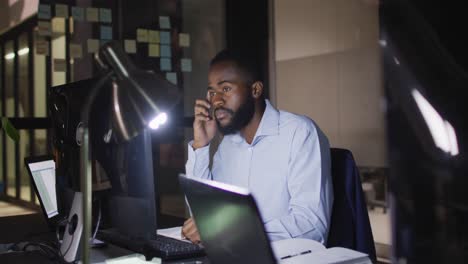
x: 286, y: 169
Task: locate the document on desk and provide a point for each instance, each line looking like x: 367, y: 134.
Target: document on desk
x: 133, y: 259
x: 173, y: 232
x: 303, y: 251
x: 283, y: 249
x: 331, y: 255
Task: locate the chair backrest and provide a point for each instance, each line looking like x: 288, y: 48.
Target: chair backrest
x: 350, y: 226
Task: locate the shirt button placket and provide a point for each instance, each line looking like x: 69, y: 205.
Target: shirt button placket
x: 249, y: 159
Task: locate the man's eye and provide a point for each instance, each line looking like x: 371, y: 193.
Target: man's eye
x: 226, y: 89
x: 211, y: 94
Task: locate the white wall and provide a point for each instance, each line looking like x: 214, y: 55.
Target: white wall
x: 328, y: 68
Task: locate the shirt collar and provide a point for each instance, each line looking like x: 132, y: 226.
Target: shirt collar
x: 269, y: 125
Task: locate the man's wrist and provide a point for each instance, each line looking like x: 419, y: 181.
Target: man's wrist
x: 197, y: 145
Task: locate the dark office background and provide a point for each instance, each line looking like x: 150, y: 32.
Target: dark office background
x: 449, y: 20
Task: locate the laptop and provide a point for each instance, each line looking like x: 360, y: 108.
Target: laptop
x: 41, y: 169
x: 228, y: 221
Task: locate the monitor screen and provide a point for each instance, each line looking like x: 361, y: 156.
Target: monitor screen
x: 43, y: 176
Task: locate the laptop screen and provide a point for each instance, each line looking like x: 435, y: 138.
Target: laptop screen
x: 43, y: 175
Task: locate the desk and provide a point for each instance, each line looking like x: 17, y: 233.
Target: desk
x: 22, y: 227
x: 112, y: 251
x: 34, y: 228
x: 97, y: 256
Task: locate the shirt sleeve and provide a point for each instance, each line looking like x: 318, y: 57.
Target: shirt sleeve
x: 310, y: 189
x: 198, y: 162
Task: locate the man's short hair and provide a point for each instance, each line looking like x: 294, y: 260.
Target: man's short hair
x: 245, y: 62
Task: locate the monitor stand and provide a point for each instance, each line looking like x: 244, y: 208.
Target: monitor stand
x: 70, y: 245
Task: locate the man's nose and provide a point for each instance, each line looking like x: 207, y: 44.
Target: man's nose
x: 217, y: 99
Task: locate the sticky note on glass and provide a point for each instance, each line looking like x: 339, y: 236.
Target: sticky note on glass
x: 61, y: 10
x: 105, y: 15
x: 42, y: 47
x: 165, y: 37
x: 92, y: 14
x: 106, y: 32
x: 44, y: 28
x: 171, y: 77
x: 60, y: 65
x: 165, y: 51
x: 186, y: 65
x: 153, y: 50
x: 130, y: 46
x: 153, y: 36
x: 58, y: 25
x: 93, y: 45
x: 76, y: 51
x: 43, y: 12
x: 184, y: 40
x: 165, y: 64
x: 164, y: 22
x: 78, y: 13
x: 142, y: 35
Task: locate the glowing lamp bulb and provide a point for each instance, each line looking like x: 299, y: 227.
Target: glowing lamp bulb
x: 160, y: 119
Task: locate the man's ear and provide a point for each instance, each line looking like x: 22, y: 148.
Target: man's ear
x: 257, y: 89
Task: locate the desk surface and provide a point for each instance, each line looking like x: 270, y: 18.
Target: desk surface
x: 97, y: 256
x: 33, y: 227
x: 22, y: 227
x: 112, y: 251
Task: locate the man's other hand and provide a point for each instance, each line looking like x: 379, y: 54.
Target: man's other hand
x: 190, y: 231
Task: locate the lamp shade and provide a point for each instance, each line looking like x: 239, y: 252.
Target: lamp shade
x: 140, y: 99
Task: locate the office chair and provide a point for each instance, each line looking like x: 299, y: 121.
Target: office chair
x: 350, y: 226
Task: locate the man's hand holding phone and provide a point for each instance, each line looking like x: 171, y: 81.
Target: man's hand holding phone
x: 204, y: 125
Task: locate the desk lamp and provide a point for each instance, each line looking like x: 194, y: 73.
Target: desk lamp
x: 140, y: 100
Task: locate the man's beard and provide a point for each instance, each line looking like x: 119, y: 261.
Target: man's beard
x: 239, y: 119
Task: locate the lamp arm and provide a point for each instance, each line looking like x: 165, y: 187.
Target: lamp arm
x: 86, y: 169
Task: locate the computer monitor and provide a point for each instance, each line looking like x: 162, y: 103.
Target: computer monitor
x: 131, y: 201
x: 123, y: 178
x: 65, y: 105
x: 42, y: 172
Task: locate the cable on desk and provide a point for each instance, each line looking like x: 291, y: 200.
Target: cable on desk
x: 52, y: 251
x: 69, y: 246
x: 57, y: 228
x: 48, y: 251
x: 98, y: 221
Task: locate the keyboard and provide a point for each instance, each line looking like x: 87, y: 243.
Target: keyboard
x: 162, y: 247
x: 170, y: 248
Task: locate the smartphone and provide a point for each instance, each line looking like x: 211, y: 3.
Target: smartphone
x: 211, y: 112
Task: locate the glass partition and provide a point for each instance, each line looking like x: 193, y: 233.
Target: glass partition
x: 24, y: 110
x: 204, y: 21
x: 58, y: 50
x: 2, y: 135
x: 10, y: 112
x: 40, y: 91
